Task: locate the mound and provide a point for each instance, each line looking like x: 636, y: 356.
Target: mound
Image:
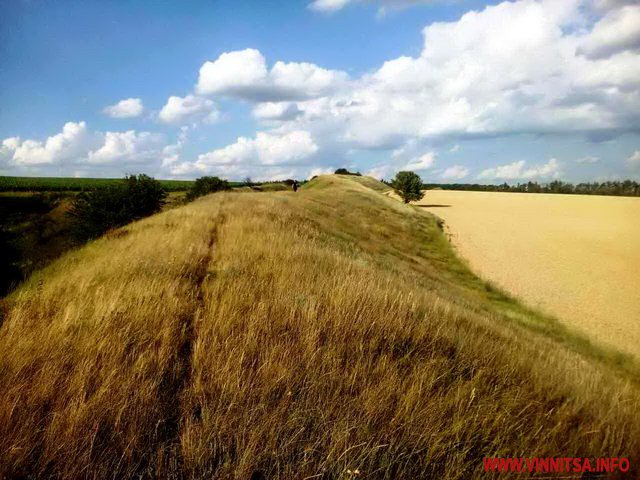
x: 282, y: 335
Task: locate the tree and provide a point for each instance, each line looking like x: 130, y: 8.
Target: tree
x: 344, y: 171
x: 206, y: 185
x: 408, y: 185
x: 113, y: 206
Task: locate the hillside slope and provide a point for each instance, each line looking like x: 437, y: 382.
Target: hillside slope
x: 282, y: 335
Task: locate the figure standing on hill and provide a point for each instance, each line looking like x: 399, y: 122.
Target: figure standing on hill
x: 295, y: 186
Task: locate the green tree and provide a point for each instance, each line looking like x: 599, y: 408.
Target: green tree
x: 344, y: 171
x: 206, y: 185
x: 408, y: 185
x: 113, y: 206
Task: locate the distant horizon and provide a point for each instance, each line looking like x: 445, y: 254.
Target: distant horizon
x: 184, y: 179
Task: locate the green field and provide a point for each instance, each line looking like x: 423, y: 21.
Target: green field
x: 68, y: 184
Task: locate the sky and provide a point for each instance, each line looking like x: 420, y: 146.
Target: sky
x: 463, y: 91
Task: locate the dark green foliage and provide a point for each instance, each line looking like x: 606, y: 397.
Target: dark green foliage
x: 10, y: 272
x: 629, y: 188
x: 408, y: 185
x: 32, y: 233
x: 344, y: 171
x: 205, y: 185
x: 115, y: 205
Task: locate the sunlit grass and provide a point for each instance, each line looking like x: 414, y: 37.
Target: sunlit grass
x: 287, y: 336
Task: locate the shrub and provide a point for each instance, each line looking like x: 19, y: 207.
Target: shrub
x: 113, y: 206
x: 206, y: 185
x: 408, y: 185
x: 344, y: 171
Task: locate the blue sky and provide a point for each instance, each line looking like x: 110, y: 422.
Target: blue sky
x: 463, y: 91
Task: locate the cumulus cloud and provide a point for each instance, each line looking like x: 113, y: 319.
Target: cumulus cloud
x: 617, y: 31
x: 329, y: 6
x: 244, y: 74
x: 380, y: 171
x: 510, y: 68
x: 171, y: 153
x: 423, y: 162
x: 519, y: 170
x: 129, y: 146
x: 276, y: 111
x: 72, y: 142
x: 455, y: 172
x: 77, y: 145
x: 266, y: 149
x: 189, y: 109
x: 634, y: 159
x: 128, y: 108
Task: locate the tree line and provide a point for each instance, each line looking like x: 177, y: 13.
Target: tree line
x: 630, y: 188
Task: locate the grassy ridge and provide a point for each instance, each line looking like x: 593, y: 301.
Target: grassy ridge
x: 57, y: 184
x: 289, y: 336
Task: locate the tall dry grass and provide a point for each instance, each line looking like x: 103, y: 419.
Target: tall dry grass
x: 291, y: 336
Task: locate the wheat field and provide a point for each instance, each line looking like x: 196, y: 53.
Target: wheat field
x: 574, y: 256
x: 330, y: 333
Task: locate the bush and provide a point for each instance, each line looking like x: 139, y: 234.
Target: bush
x: 206, y: 185
x: 113, y: 206
x: 344, y: 171
x: 408, y: 185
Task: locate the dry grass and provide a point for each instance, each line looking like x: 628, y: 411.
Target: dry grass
x: 574, y: 256
x: 289, y: 336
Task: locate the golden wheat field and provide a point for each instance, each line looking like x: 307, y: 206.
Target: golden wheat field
x: 574, y: 256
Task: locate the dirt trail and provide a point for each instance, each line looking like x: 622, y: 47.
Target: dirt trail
x: 574, y: 256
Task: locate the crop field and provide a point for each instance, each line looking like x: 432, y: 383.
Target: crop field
x: 576, y: 257
x: 68, y: 184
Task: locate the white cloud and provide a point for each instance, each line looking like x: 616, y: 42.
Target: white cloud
x: 455, y: 148
x: 171, y: 153
x: 421, y: 163
x: 328, y: 5
x: 588, y: 159
x: 73, y: 142
x: 276, y: 111
x: 634, y: 159
x: 455, y: 172
x: 266, y: 149
x: 77, y: 145
x: 128, y: 108
x: 380, y: 172
x: 617, y: 31
x: 243, y: 74
x: 519, y: 170
x: 511, y: 68
x: 189, y: 109
x: 129, y: 146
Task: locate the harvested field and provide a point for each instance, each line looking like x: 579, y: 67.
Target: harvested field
x: 574, y: 256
